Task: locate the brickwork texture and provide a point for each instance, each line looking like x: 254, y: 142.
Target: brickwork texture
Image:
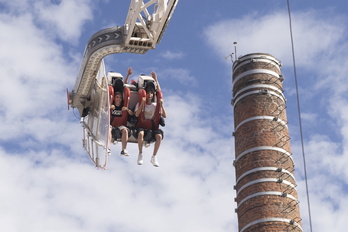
x: 266, y: 188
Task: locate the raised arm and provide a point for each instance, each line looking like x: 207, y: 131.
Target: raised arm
x: 129, y: 72
x: 154, y: 76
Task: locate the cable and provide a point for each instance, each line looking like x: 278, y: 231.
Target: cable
x: 299, y: 117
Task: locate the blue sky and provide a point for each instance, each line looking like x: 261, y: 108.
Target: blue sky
x: 48, y: 182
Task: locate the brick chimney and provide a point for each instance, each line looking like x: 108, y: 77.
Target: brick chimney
x: 265, y: 184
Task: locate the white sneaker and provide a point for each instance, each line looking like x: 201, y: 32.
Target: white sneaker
x: 154, y: 161
x: 140, y: 159
x: 124, y: 152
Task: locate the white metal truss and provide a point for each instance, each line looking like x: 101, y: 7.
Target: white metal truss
x: 146, y: 21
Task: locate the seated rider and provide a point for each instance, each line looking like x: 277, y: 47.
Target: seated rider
x: 148, y: 105
x: 117, y: 110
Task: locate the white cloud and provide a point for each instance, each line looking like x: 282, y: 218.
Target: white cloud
x: 64, y: 19
x: 36, y: 72
x: 179, y: 75
x: 55, y: 191
x: 172, y: 55
x: 270, y: 33
x: 16, y: 6
x: 327, y: 182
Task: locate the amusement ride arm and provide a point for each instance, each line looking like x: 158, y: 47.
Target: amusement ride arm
x: 141, y: 32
